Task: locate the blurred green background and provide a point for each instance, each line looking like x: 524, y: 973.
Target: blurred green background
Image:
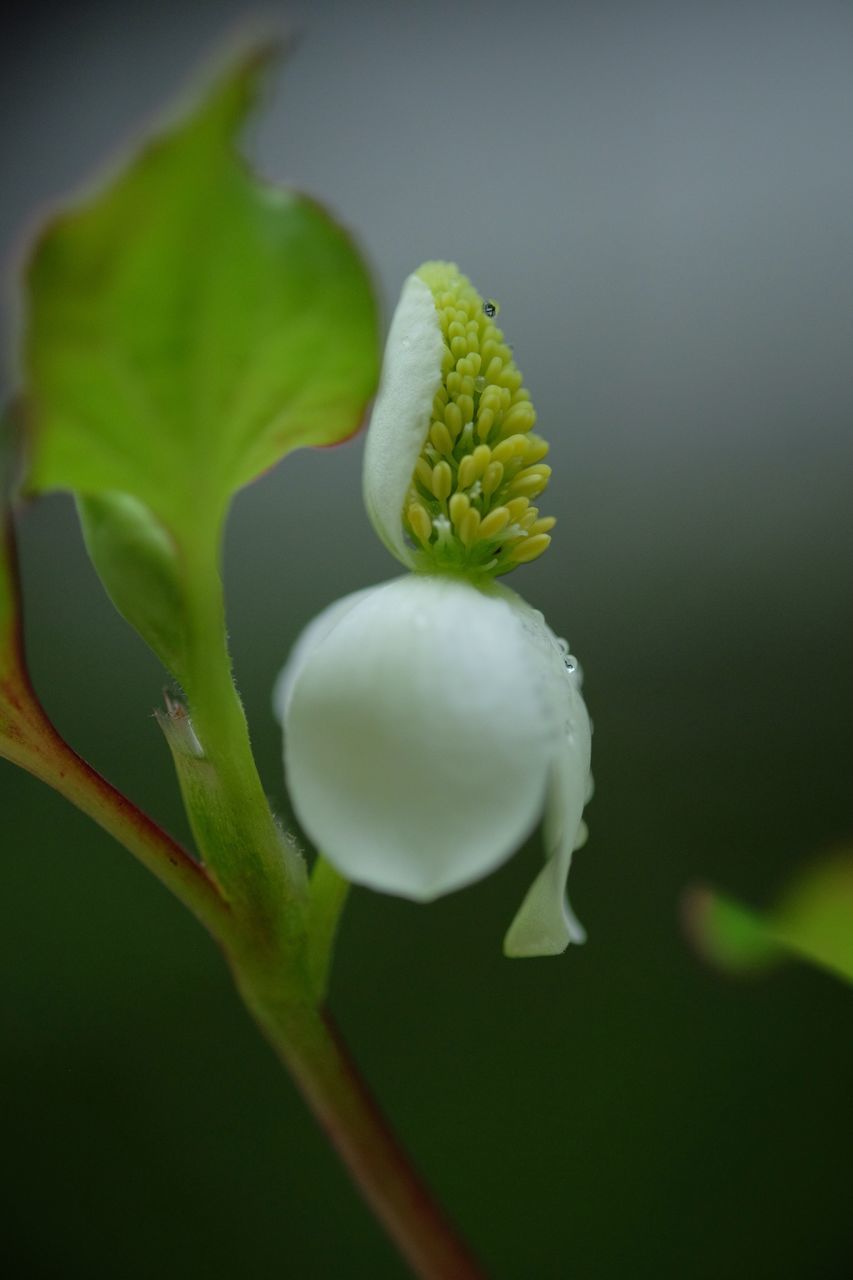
x: 659, y: 195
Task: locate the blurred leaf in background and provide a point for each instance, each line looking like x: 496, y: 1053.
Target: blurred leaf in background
x: 812, y: 920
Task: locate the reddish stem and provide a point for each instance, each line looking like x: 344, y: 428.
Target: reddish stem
x: 310, y: 1046
x: 28, y: 739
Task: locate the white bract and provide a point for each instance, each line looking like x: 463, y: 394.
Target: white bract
x: 432, y: 721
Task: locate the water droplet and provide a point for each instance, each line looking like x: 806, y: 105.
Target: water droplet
x: 480, y: 384
x: 407, y: 342
x: 490, y: 308
x: 570, y: 664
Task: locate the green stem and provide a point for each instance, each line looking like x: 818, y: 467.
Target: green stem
x: 329, y: 892
x: 243, y: 845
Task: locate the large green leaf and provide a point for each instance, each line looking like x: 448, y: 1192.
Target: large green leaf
x: 189, y: 324
x: 812, y: 920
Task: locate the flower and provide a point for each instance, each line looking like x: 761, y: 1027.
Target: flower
x: 431, y: 721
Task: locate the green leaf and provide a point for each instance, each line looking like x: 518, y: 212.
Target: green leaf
x: 137, y: 561
x: 187, y: 326
x: 812, y: 920
x: 190, y: 325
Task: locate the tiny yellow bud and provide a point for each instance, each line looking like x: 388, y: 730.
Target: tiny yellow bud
x: 419, y: 522
x: 535, y: 451
x: 494, y: 523
x: 442, y: 480
x: 423, y: 472
x: 458, y: 507
x: 492, y: 477
x: 545, y: 525
x: 453, y: 419
x: 469, y: 527
x: 531, y: 481
x: 485, y: 421
x: 441, y: 437
x: 512, y: 447
x: 465, y: 405
x: 521, y: 417
x: 481, y: 457
x: 530, y: 548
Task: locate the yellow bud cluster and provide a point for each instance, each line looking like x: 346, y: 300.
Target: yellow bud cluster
x: 470, y: 504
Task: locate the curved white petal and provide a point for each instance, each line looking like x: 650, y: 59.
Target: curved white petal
x: 411, y: 375
x: 305, y: 643
x: 545, y: 924
x: 419, y: 733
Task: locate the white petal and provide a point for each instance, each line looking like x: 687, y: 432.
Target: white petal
x: 419, y: 735
x: 545, y: 924
x: 305, y: 643
x: 411, y: 375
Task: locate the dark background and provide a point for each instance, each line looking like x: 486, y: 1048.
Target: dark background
x: 660, y: 197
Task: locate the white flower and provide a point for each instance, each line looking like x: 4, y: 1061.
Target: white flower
x: 432, y: 721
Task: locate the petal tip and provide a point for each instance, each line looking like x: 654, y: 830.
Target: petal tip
x: 411, y: 375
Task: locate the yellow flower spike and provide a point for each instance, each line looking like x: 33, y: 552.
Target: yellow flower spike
x: 476, y: 465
